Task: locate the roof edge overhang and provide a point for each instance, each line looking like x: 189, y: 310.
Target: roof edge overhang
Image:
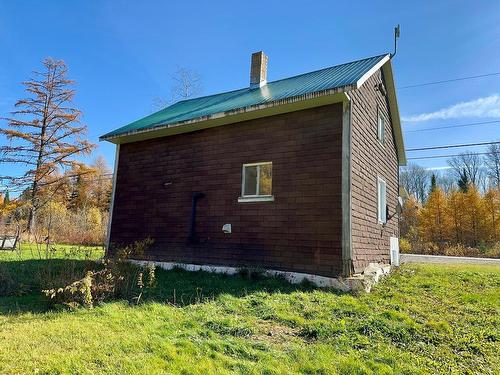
x: 394, y: 110
x: 386, y: 66
x: 277, y: 107
x: 296, y: 103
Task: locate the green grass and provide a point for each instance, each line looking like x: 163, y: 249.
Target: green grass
x: 422, y: 319
x: 29, y: 251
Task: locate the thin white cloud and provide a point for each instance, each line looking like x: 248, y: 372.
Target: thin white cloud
x: 488, y: 106
x: 437, y: 168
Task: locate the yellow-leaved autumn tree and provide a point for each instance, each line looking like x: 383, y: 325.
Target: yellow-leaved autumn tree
x: 456, y: 208
x: 408, y: 223
x: 434, y: 221
x: 492, y: 218
x: 474, y: 217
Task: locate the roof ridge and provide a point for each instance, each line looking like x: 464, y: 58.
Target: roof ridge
x: 340, y: 77
x: 329, y: 67
x: 278, y: 80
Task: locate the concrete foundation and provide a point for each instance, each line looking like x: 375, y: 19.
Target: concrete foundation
x: 355, y: 283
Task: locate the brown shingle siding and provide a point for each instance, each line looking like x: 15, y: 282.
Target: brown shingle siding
x: 370, y: 240
x: 300, y: 231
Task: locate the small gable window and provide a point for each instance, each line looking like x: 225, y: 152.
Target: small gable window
x: 380, y: 128
x: 257, y: 182
x: 382, y: 201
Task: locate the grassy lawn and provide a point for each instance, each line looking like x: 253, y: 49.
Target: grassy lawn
x: 421, y: 319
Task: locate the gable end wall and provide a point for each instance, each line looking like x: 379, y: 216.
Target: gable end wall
x: 370, y: 160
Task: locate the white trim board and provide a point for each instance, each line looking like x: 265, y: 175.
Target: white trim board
x: 369, y: 73
x: 394, y: 111
x: 346, y: 189
x: 113, y: 189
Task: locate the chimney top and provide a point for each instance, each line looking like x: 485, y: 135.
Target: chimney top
x: 258, y: 70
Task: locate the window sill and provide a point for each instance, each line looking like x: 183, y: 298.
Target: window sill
x: 263, y: 198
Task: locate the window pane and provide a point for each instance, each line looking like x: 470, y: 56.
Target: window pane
x: 266, y: 179
x: 250, y: 187
x: 379, y: 201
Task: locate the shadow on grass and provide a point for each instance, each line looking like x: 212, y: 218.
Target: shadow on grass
x: 21, y: 283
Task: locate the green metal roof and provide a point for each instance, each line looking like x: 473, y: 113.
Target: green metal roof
x: 336, y: 77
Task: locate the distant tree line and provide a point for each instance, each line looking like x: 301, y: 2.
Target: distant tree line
x: 454, y: 213
x: 463, y: 170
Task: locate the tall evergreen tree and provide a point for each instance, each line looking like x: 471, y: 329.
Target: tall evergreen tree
x: 79, y: 197
x: 433, y: 183
x: 6, y: 199
x: 463, y: 181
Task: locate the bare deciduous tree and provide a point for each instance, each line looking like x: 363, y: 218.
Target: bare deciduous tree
x: 467, y: 165
x: 101, y: 184
x: 186, y: 83
x: 416, y: 180
x: 45, y: 135
x: 492, y: 162
x: 446, y: 181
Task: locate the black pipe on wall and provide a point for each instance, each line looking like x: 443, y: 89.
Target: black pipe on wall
x: 193, y: 238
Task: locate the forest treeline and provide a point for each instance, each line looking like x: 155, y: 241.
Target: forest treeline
x: 456, y: 212
x: 49, y: 193
x: 76, y: 213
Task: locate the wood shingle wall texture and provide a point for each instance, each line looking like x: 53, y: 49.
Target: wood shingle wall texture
x: 370, y: 160
x: 300, y: 231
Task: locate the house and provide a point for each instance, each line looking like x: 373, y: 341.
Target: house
x: 298, y: 175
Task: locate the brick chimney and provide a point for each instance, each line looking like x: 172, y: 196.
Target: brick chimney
x: 258, y: 70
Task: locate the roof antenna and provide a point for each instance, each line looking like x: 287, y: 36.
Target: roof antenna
x: 396, y: 37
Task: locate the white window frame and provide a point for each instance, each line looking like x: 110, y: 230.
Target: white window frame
x: 255, y: 197
x: 381, y: 201
x: 380, y: 129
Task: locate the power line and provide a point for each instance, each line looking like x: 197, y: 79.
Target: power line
x: 452, y: 146
x: 444, y: 156
x: 453, y: 126
x: 449, y: 80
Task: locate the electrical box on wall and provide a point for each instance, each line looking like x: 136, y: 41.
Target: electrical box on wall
x: 394, y: 251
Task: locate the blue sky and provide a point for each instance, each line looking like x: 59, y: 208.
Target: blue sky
x: 123, y: 54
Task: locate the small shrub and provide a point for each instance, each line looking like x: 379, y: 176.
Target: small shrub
x: 404, y: 246
x: 493, y: 251
x: 429, y: 248
x: 118, y: 279
x: 94, y: 288
x: 135, y: 250
x: 461, y: 251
